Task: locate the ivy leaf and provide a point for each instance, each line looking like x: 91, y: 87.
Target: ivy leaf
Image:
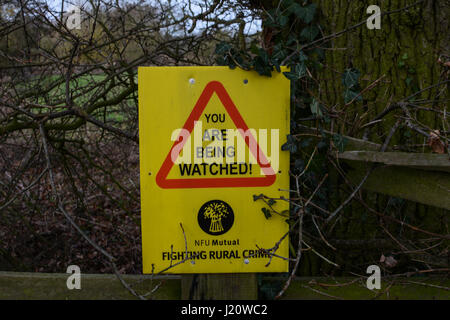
x: 277, y: 66
x: 269, y: 289
x: 263, y: 55
x: 306, y: 14
x: 283, y: 21
x: 408, y: 81
x: 287, y: 3
x: 340, y: 142
x: 291, y: 39
x: 292, y: 8
x: 350, y: 77
x: 271, y: 20
x: 277, y: 56
x: 254, y: 48
x: 302, y: 57
x: 290, y: 145
x: 320, y: 54
x: 315, y: 108
x: 276, y: 19
x: 322, y: 144
x: 222, y: 48
x: 266, y: 212
x: 309, y: 33
x: 255, y: 197
x: 299, y: 164
x: 262, y: 68
x: 221, y: 61
x: 279, y: 53
x: 310, y: 12
x: 407, y: 134
x: 290, y: 75
x: 261, y: 63
x: 299, y: 70
x: 350, y: 94
x: 305, y: 142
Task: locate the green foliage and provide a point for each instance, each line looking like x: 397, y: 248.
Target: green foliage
x: 315, y: 108
x: 275, y: 19
x: 350, y: 81
x: 350, y: 95
x: 350, y: 78
x: 292, y: 37
x: 266, y: 212
x: 257, y: 197
x: 306, y: 13
x: 298, y: 71
x: 290, y: 28
x: 268, y: 290
x: 290, y: 145
x: 262, y: 63
x: 309, y: 33
x: 288, y: 14
x: 340, y: 142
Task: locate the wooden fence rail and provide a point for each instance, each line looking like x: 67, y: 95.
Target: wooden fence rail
x: 419, y: 177
x: 17, y: 285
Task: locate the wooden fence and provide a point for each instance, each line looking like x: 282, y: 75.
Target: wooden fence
x: 52, y: 286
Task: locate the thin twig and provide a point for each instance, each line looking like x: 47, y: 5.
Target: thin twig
x: 322, y: 293
x: 297, y: 260
x: 72, y: 222
x: 369, y: 171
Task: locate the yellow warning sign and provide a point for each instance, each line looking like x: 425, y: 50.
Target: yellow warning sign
x: 213, y: 176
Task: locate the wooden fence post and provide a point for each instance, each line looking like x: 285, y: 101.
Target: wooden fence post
x: 228, y: 286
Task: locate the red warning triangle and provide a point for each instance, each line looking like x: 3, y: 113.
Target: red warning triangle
x: 219, y: 89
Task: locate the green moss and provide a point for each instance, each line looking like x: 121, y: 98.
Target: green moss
x: 349, y: 289
x: 15, y: 285
x: 414, y: 33
x: 404, y: 53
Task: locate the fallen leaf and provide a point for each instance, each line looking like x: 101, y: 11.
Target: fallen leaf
x: 435, y: 142
x: 390, y: 262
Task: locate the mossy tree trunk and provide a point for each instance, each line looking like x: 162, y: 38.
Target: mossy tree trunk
x: 404, y: 54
